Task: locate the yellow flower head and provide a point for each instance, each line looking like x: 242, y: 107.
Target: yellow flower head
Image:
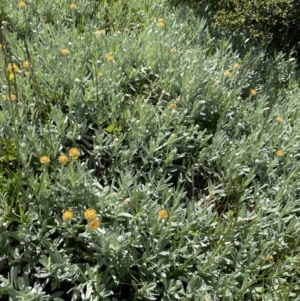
x: 227, y: 73
x: 100, y: 75
x: 27, y: 73
x: 25, y: 64
x: 63, y: 159
x: 13, y: 68
x: 280, y: 153
x: 64, y: 51
x: 22, y: 4
x: 73, y: 6
x: 280, y: 119
x: 127, y: 201
x: 173, y: 106
x: 44, y: 159
x: 163, y: 214
x: 90, y: 214
x: 110, y: 57
x: 67, y: 215
x: 94, y: 224
x: 270, y: 258
x: 1, y: 46
x: 74, y: 152
x: 253, y: 92
x: 99, y: 32
x: 13, y: 97
x: 237, y: 66
x: 172, y: 50
x: 160, y: 23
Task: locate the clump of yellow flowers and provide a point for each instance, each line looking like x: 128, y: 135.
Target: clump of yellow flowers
x: 91, y: 217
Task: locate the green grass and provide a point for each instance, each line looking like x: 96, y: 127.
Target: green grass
x: 171, y: 123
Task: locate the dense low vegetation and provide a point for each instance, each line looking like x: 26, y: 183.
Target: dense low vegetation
x: 142, y: 157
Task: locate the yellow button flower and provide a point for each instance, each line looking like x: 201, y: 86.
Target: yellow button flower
x: 90, y: 214
x: 67, y: 215
x: 237, y: 66
x: 13, y: 97
x: 65, y: 51
x: 99, y: 32
x: 280, y: 119
x: 127, y: 201
x: 173, y: 106
x: 73, y: 6
x: 253, y: 92
x: 110, y: 57
x: 25, y: 64
x: 280, y: 153
x: 163, y: 214
x: 160, y: 23
x: 74, y: 152
x: 227, y: 73
x: 44, y: 159
x: 63, y: 159
x: 13, y: 68
x: 94, y: 224
x: 22, y: 4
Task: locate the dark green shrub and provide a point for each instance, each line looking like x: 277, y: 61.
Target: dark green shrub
x: 275, y: 23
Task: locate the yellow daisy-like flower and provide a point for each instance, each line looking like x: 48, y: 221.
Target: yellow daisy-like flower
x: 237, y: 66
x: 44, y: 159
x: 163, y: 214
x: 13, y: 97
x: 253, y: 92
x: 172, y: 50
x: 110, y: 57
x: 73, y: 6
x: 74, y: 152
x: 65, y: 51
x: 99, y: 32
x: 22, y: 4
x: 25, y: 64
x: 94, y: 224
x: 280, y: 153
x: 280, y: 119
x: 100, y: 75
x: 13, y: 68
x: 227, y: 73
x: 173, y: 106
x: 90, y: 214
x: 67, y: 215
x: 63, y: 159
